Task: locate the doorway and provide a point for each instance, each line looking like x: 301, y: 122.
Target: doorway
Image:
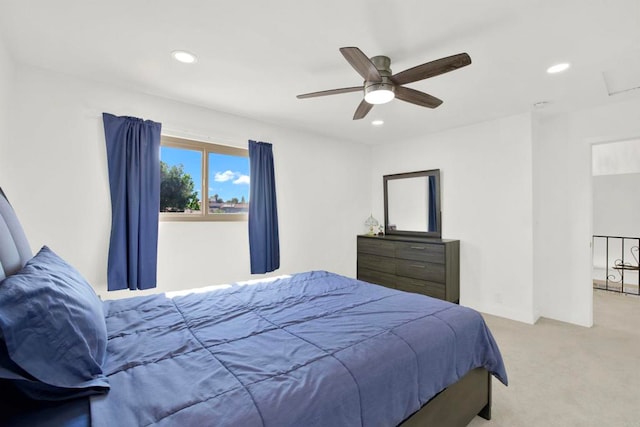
x: 616, y: 208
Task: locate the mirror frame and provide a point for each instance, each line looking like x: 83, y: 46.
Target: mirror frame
x: 427, y: 173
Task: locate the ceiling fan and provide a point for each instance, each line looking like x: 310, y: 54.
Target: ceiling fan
x: 380, y: 86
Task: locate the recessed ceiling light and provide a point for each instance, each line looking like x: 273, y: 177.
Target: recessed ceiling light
x: 558, y: 68
x: 377, y: 122
x: 184, y: 56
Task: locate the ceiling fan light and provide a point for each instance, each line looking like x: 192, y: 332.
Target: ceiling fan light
x: 379, y: 96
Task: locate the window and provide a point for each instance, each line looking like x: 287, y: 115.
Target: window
x: 202, y: 181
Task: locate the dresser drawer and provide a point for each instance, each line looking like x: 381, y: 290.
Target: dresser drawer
x: 371, y: 276
x: 420, y: 270
x: 420, y: 252
x: 435, y: 290
x: 377, y: 263
x: 369, y: 245
x: 424, y: 266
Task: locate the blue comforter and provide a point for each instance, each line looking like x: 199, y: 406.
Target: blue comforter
x: 312, y: 349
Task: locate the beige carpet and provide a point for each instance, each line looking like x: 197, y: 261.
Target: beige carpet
x: 564, y: 375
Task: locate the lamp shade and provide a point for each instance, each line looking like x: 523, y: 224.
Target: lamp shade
x: 371, y: 223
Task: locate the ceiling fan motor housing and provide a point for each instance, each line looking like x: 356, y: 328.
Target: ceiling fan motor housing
x: 383, y: 65
x: 386, y: 84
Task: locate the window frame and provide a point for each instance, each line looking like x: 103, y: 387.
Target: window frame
x: 204, y: 148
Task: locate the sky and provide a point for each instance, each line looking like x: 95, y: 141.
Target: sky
x: 228, y: 175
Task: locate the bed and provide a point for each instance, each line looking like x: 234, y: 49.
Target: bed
x: 309, y: 349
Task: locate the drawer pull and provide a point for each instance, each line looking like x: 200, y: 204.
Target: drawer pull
x: 417, y: 247
x: 417, y: 265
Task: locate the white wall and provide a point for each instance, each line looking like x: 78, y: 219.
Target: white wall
x: 616, y: 205
x: 56, y: 159
x: 551, y: 214
x: 486, y: 191
x: 6, y: 80
x: 526, y: 243
x: 615, y: 158
x: 563, y: 192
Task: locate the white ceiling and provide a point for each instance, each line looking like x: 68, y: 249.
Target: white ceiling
x: 256, y: 56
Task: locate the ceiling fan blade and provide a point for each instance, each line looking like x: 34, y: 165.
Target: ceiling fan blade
x: 330, y: 92
x: 416, y: 97
x: 362, y: 110
x: 361, y: 63
x: 431, y: 69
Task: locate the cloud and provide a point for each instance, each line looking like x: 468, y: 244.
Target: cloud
x: 242, y: 179
x: 224, y: 176
x: 237, y: 177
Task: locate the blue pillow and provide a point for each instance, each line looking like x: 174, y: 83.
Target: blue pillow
x: 53, y: 329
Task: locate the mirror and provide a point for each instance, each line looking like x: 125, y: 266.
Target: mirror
x: 412, y: 203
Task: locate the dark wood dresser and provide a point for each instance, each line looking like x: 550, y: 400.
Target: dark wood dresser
x: 414, y: 264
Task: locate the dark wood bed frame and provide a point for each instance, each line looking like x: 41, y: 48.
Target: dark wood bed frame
x: 458, y: 404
